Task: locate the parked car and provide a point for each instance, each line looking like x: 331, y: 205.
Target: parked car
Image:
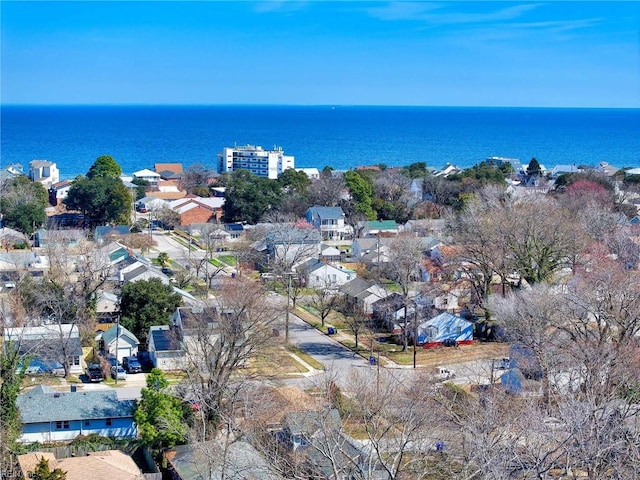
x: 94, y: 372
x: 118, y: 373
x: 131, y: 365
x: 167, y: 271
x: 443, y: 373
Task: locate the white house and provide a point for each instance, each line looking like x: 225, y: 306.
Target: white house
x: 149, y: 175
x: 44, y: 172
x: 165, y: 349
x: 51, y: 416
x: 124, y: 344
x: 312, y: 173
x: 318, y: 274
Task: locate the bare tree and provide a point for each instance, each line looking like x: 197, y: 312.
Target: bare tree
x: 326, y: 191
x: 405, y: 254
x: 222, y: 338
x: 324, y: 301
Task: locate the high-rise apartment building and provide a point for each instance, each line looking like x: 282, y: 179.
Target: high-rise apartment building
x: 264, y: 163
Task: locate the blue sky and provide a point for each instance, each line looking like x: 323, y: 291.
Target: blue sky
x: 506, y: 53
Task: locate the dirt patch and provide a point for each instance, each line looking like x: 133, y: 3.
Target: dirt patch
x: 432, y: 357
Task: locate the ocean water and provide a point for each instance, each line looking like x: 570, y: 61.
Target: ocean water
x: 342, y: 136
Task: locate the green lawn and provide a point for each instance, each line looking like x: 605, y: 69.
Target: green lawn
x: 228, y: 259
x: 217, y: 263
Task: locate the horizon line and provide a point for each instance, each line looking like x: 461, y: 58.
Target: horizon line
x: 319, y: 105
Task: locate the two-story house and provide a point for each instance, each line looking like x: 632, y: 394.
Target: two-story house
x: 330, y: 222
x: 44, y: 172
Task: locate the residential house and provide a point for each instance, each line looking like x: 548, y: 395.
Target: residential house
x: 381, y: 228
x: 362, y: 294
x: 105, y: 464
x: 375, y: 246
x: 169, y: 345
x: 194, y: 209
x: 10, y: 237
x: 166, y: 351
x: 58, y: 191
x: 329, y: 221
x: 312, y: 173
x: 138, y: 270
x: 309, y: 435
x: 68, y: 237
x: 169, y: 171
x: 44, y: 172
x: 151, y: 203
x: 108, y: 233
x: 447, y: 170
x: 318, y: 274
x: 149, y: 175
x: 48, y: 415
x: 390, y: 312
x: 107, y: 309
x: 444, y: 328
x: 329, y: 253
x: 215, y: 460
x: 49, y: 343
x: 236, y: 230
x: 287, y: 246
x: 118, y: 342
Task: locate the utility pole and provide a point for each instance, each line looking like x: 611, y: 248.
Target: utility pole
x: 415, y: 332
x: 286, y: 321
x: 117, y: 336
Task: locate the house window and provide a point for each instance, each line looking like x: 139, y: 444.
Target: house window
x: 87, y: 423
x: 108, y: 422
x: 62, y: 425
x: 458, y: 330
x: 75, y: 360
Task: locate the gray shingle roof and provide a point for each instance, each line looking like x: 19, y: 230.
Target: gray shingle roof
x: 43, y: 405
x: 326, y: 213
x: 110, y: 335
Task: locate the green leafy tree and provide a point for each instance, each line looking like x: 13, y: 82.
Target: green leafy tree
x: 145, y: 303
x: 248, y: 197
x: 361, y: 188
x: 104, y: 166
x: 44, y: 472
x: 292, y: 179
x: 11, y: 375
x: 159, y: 415
x: 163, y: 259
x: 23, y: 204
x: 141, y: 187
x: 102, y: 200
x: 534, y: 169
x: 416, y: 170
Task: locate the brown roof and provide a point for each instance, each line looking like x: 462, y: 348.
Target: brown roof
x: 167, y: 195
x: 171, y: 167
x: 110, y: 464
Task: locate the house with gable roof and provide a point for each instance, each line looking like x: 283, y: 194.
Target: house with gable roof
x: 118, y: 342
x: 318, y: 274
x: 148, y: 175
x: 110, y: 464
x: 48, y: 415
x: 330, y: 222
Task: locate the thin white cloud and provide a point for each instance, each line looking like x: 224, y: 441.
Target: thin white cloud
x: 431, y: 13
x: 279, y: 6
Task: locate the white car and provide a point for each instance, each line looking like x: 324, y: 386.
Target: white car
x: 118, y: 373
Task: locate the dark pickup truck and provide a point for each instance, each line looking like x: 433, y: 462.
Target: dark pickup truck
x: 94, y: 372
